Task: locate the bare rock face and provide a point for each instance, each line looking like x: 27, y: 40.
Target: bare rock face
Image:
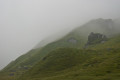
x: 72, y: 40
x: 95, y: 38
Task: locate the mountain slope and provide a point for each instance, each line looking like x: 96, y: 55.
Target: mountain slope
x: 75, y: 39
x: 98, y: 62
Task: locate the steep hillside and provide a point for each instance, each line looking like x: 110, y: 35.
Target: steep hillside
x: 26, y: 59
x: 75, y: 39
x: 98, y: 62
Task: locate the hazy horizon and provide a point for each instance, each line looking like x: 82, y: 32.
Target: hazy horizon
x: 24, y: 23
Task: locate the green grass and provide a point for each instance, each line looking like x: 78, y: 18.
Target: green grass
x: 62, y: 60
x: 32, y: 57
x: 95, y: 63
x: 80, y: 34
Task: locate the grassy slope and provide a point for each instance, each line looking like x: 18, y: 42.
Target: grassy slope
x: 99, y: 62
x: 80, y: 34
x: 22, y: 60
x: 33, y: 56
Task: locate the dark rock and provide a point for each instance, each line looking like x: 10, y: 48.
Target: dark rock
x: 44, y: 58
x: 95, y: 38
x: 12, y: 70
x: 11, y: 74
x: 25, y: 67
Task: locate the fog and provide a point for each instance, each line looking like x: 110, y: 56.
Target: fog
x: 24, y: 23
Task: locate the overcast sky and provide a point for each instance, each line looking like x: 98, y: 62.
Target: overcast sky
x: 24, y: 23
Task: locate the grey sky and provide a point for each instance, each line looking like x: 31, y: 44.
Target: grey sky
x: 24, y: 23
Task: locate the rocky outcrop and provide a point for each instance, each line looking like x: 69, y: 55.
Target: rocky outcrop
x: 72, y: 40
x: 95, y: 38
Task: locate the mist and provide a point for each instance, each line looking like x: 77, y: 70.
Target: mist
x: 24, y: 23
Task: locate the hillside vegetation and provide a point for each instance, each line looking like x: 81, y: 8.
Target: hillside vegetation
x: 98, y: 62
x: 75, y: 39
x: 68, y: 59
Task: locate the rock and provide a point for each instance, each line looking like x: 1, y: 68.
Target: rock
x: 103, y: 42
x: 72, y: 40
x: 12, y: 70
x: 95, y: 38
x: 109, y: 49
x: 11, y: 74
